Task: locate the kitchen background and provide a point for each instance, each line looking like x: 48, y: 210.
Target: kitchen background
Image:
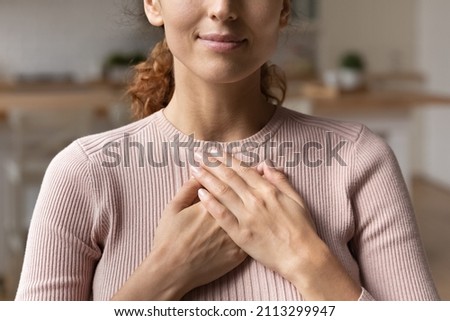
x: 385, y: 63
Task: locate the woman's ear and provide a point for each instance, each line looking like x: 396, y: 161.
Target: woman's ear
x: 285, y: 13
x: 153, y: 12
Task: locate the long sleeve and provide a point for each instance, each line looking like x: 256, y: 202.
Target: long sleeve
x: 94, y: 223
x: 387, y: 245
x: 61, y: 252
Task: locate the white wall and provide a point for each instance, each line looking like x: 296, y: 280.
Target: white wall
x: 402, y: 35
x: 434, y: 59
x: 433, y: 45
x: 66, y: 36
x: 384, y: 33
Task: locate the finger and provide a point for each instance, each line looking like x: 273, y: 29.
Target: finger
x: 226, y: 220
x: 280, y: 181
x: 218, y: 188
x: 238, y: 174
x: 226, y: 174
x: 260, y: 167
x: 185, y: 196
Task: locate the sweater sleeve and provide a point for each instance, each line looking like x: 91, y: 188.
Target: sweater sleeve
x: 387, y: 245
x: 61, y: 252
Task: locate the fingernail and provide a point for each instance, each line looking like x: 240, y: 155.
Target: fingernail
x: 260, y: 166
x: 195, y: 170
x: 202, y: 193
x: 198, y: 156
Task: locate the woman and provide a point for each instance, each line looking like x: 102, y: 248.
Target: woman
x: 126, y: 215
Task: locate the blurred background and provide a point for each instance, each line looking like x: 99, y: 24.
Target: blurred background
x: 64, y: 67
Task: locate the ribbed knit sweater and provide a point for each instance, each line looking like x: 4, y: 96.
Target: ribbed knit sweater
x: 103, y: 195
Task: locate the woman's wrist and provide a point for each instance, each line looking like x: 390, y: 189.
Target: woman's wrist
x: 318, y: 275
x: 154, y: 280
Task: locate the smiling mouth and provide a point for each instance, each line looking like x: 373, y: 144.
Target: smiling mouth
x: 221, y: 37
x: 222, y: 43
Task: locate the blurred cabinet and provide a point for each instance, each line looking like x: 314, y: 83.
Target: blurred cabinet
x: 390, y: 114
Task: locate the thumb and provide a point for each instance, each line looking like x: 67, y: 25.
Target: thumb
x: 185, y: 196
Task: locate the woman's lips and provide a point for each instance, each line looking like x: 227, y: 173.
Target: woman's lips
x: 221, y: 42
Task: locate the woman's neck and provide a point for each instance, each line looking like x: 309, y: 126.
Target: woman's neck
x: 219, y: 112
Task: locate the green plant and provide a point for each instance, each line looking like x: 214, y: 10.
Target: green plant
x: 120, y: 59
x: 353, y: 60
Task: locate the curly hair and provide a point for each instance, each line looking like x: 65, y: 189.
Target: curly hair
x: 153, y: 83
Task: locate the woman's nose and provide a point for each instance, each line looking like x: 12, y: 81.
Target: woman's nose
x: 223, y: 10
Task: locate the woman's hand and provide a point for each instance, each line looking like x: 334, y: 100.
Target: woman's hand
x: 268, y: 219
x: 193, y: 243
x: 190, y: 249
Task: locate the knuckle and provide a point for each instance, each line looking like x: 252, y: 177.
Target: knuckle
x: 250, y: 223
x: 244, y: 169
x: 271, y: 191
x: 279, y: 176
x: 222, y: 189
x: 221, y: 212
x: 256, y: 202
x: 230, y: 174
x: 246, y: 235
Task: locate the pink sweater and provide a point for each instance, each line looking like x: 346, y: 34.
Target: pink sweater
x: 94, y: 220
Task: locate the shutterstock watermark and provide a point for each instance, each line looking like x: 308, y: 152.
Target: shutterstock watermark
x: 128, y: 152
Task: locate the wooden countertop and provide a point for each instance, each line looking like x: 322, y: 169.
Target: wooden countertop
x: 64, y: 96
x: 101, y: 95
x: 326, y: 101
x: 380, y: 100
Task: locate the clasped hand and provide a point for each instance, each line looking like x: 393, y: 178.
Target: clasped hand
x: 225, y: 213
x: 259, y: 210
